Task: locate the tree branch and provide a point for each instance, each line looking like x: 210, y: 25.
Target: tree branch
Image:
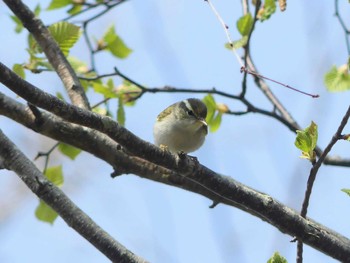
x: 13, y: 159
x: 188, y: 174
x: 54, y: 54
x: 313, y: 174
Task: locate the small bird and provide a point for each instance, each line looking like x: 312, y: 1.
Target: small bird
x: 181, y: 127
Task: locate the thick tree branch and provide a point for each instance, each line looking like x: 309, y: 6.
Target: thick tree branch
x: 52, y: 52
x: 187, y: 174
x: 13, y: 159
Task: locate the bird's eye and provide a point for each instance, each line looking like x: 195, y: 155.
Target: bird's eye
x: 189, y: 112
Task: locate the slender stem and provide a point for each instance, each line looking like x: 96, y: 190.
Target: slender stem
x: 299, y: 252
x: 246, y: 49
x: 342, y: 23
x: 243, y: 69
x: 227, y: 32
x: 313, y: 173
x: 47, y: 156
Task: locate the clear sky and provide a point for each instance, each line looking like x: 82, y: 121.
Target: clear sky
x: 180, y: 43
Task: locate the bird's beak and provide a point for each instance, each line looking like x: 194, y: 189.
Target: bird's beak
x: 204, y: 124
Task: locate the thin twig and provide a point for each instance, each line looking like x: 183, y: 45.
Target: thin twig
x: 313, y: 174
x: 89, y: 45
x: 243, y: 69
x: 227, y: 32
x: 91, y: 7
x: 317, y: 165
x: 247, y: 50
x: 342, y: 23
x: 299, y: 252
x: 245, y: 7
x: 46, y: 155
x: 99, y: 76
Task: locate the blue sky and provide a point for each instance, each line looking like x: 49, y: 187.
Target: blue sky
x: 181, y: 43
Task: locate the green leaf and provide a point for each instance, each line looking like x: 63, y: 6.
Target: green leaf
x: 241, y: 42
x: 214, y: 113
x: 45, y: 213
x: 65, y: 34
x: 313, y: 133
x: 115, y: 44
x: 75, y: 9
x: 306, y: 141
x: 37, y: 10
x: 121, y: 112
x: 209, y: 101
x: 347, y: 191
x: 69, y: 150
x: 19, y: 70
x: 19, y: 25
x: 237, y: 43
x: 55, y: 175
x: 104, y: 90
x: 214, y: 125
x: 268, y: 9
x: 303, y: 141
x: 59, y: 95
x: 245, y: 24
x: 277, y: 258
x: 110, y: 84
x: 337, y: 79
x: 56, y: 4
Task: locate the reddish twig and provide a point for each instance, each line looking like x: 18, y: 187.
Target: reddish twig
x: 244, y: 69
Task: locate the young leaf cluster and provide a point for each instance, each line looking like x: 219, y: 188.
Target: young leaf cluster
x: 74, y: 5
x: 215, y: 111
x: 244, y: 26
x: 64, y: 33
x: 125, y: 93
x: 337, y: 79
x: 277, y: 258
x: 68, y: 150
x: 112, y: 42
x: 267, y: 10
x: 245, y: 23
x: 306, y: 141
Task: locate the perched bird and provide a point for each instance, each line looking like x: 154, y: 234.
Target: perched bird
x: 181, y: 127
